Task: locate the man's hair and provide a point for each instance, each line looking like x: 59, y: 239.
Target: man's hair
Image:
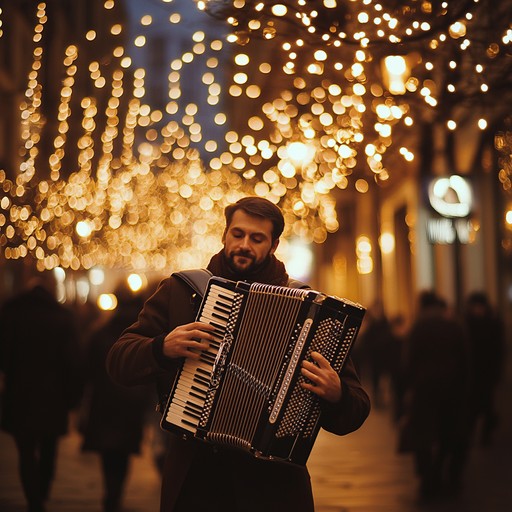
x: 259, y: 207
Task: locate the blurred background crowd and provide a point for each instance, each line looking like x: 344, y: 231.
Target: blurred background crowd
x: 438, y: 377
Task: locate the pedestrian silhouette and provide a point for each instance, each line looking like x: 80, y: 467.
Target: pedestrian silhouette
x: 40, y: 362
x: 487, y: 342
x: 437, y: 372
x: 113, y: 417
x: 397, y: 350
x: 375, y: 351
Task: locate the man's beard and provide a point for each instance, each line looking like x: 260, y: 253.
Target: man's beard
x: 250, y: 269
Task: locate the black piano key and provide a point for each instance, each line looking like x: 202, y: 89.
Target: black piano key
x: 181, y: 411
x: 217, y: 325
x: 188, y: 404
x: 184, y: 421
x: 190, y: 381
x: 221, y: 306
x: 198, y: 396
x: 204, y: 372
x: 221, y: 309
x: 192, y: 371
x: 207, y: 358
x: 211, y: 318
x: 222, y: 295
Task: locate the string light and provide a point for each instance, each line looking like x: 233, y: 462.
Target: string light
x: 328, y: 125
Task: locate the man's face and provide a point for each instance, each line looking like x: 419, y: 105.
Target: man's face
x: 248, y: 241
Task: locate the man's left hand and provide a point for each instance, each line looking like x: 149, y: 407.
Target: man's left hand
x: 322, y: 379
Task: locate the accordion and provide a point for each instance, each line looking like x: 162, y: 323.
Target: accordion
x: 245, y: 391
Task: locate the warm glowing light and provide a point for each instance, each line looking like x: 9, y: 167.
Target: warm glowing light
x: 279, y: 9
x: 329, y: 121
x: 457, y: 30
x: 299, y: 152
x: 140, y: 41
x: 299, y: 260
x: 107, y: 302
x: 395, y: 64
x: 83, y: 228
x: 60, y: 274
x: 396, y: 73
x: 364, y: 257
x: 135, y: 282
x: 387, y: 243
x: 96, y: 276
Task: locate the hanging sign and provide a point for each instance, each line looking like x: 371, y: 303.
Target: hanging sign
x: 452, y: 198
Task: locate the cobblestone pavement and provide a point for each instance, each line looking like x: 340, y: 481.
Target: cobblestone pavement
x: 358, y: 473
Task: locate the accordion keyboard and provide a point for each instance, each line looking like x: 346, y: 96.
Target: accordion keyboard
x: 192, y: 387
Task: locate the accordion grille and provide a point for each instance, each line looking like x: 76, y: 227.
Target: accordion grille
x: 255, y: 361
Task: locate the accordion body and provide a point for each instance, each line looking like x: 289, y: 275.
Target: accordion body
x: 245, y: 392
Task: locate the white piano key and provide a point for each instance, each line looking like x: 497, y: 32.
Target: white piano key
x: 184, y: 400
x: 185, y: 422
x: 183, y: 410
x: 202, y: 369
x: 194, y: 396
x: 222, y: 291
x: 191, y: 380
x: 187, y: 382
x: 215, y: 315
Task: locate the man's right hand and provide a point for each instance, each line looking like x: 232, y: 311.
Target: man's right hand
x: 188, y: 340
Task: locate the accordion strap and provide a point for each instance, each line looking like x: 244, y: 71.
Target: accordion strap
x: 295, y: 283
x: 198, y: 279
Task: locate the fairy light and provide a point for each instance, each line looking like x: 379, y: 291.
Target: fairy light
x: 482, y: 124
x: 329, y: 125
x: 31, y: 117
x: 503, y: 144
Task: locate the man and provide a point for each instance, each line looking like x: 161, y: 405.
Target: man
x: 487, y: 345
x: 40, y: 362
x: 196, y: 475
x: 437, y: 372
x: 113, y: 417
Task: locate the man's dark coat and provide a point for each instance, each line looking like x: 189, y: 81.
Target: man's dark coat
x: 247, y: 483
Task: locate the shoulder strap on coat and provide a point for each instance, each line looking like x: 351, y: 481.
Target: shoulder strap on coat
x: 295, y: 283
x: 197, y: 279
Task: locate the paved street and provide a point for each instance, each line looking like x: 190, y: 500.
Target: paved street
x: 358, y: 473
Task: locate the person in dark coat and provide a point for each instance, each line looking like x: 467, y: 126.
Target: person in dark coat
x: 376, y: 350
x: 396, y: 364
x: 113, y: 416
x: 487, y: 342
x: 199, y: 476
x: 437, y: 369
x: 40, y: 361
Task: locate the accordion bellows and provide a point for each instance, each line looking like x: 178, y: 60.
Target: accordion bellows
x: 245, y: 391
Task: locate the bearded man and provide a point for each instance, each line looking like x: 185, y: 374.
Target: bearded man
x: 199, y: 476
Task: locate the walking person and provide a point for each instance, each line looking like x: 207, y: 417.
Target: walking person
x: 487, y: 343
x: 437, y: 372
x: 40, y: 363
x: 376, y: 351
x: 113, y: 416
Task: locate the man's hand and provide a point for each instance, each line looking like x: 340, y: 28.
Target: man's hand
x: 188, y: 340
x: 323, y: 380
